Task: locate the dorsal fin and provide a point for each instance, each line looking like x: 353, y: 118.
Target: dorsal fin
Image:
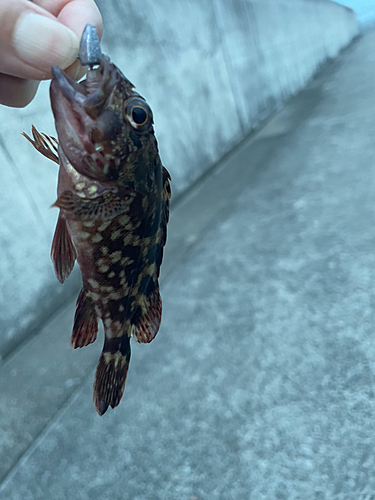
x: 148, y: 301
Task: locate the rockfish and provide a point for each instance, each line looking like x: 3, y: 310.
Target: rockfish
x: 113, y: 197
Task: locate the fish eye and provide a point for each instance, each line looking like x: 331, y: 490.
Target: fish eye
x: 139, y: 114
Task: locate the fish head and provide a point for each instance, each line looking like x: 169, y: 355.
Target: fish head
x: 105, y: 128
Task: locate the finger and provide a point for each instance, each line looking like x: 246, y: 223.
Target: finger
x: 17, y: 92
x: 74, y: 14
x: 32, y: 41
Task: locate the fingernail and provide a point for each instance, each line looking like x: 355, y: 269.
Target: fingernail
x: 76, y: 71
x: 43, y: 42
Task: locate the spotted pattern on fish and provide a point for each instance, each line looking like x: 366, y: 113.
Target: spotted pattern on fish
x: 113, y: 196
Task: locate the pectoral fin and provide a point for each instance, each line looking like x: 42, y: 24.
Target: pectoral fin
x: 63, y: 252
x: 103, y: 207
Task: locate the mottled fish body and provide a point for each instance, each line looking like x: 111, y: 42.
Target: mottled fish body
x: 113, y: 196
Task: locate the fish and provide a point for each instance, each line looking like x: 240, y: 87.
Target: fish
x: 113, y: 197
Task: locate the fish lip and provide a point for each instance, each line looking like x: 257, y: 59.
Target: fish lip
x: 69, y: 88
x: 91, y: 95
x: 77, y: 106
x: 71, y: 121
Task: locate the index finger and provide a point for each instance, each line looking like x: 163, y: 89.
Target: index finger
x: 32, y: 39
x: 75, y: 14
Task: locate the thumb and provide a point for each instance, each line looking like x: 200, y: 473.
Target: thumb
x: 32, y: 40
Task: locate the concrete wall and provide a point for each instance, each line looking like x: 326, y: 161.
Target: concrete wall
x: 211, y: 71
x: 365, y: 10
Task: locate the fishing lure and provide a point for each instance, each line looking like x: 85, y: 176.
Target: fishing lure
x: 113, y: 200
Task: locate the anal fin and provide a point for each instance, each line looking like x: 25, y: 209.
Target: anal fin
x: 85, y: 325
x: 63, y: 252
x: 148, y: 324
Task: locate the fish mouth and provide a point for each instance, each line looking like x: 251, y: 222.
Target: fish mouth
x: 77, y: 108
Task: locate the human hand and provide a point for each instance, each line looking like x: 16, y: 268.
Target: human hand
x: 36, y: 35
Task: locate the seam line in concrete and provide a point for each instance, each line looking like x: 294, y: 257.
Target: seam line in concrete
x: 227, y: 64
x: 40, y: 437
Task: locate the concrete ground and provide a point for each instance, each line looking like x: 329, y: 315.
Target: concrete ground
x: 260, y: 384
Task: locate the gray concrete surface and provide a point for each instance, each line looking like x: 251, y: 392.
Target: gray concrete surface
x: 260, y: 384
x: 211, y: 72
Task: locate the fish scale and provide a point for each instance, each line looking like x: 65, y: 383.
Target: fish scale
x: 113, y: 197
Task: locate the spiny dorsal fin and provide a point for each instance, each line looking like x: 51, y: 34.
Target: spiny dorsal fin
x: 166, y: 194
x: 45, y: 144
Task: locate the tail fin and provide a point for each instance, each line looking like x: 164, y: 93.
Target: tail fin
x: 111, y: 373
